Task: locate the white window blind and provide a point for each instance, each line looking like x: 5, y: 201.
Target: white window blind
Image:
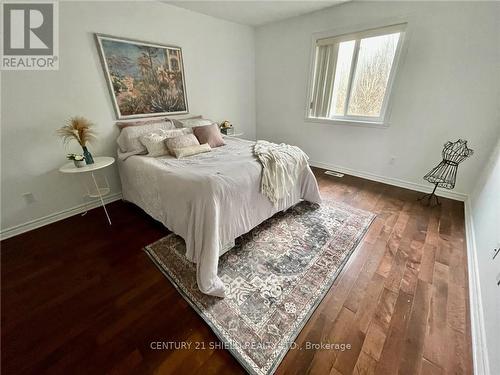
x: 353, y: 74
x: 326, y: 61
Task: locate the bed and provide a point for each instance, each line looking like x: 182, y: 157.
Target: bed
x: 208, y: 199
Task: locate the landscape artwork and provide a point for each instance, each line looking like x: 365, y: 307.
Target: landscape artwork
x: 144, y: 79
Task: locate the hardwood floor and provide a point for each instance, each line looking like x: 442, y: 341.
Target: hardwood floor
x: 79, y: 296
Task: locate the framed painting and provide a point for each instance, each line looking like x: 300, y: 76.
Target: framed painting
x: 144, y: 79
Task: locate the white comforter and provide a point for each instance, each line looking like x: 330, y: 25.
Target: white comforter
x: 208, y: 199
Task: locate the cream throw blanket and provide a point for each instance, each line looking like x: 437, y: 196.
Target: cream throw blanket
x: 282, y: 165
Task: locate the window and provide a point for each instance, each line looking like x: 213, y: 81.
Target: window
x: 353, y: 74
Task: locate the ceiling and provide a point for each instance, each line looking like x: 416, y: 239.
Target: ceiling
x: 254, y: 13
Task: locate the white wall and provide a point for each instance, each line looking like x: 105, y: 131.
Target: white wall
x: 485, y: 207
x: 219, y: 69
x: 447, y: 88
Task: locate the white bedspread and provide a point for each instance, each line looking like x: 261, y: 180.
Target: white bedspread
x: 208, y: 199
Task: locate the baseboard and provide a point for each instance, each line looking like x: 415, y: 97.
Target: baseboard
x: 392, y: 181
x: 478, y: 332
x: 40, y: 222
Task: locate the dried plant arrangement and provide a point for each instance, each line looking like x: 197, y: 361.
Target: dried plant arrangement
x: 79, y: 129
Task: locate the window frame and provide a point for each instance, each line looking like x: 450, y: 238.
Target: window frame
x: 359, y: 32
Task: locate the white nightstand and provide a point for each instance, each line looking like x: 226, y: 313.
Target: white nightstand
x: 100, y: 162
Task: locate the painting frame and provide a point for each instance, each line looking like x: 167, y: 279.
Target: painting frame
x: 120, y: 115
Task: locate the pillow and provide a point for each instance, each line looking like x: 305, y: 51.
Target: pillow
x: 180, y: 142
x: 172, y: 133
x: 178, y: 121
x: 129, y: 139
x: 209, y: 134
x: 125, y: 124
x: 155, y: 142
x: 191, y: 150
x: 192, y: 122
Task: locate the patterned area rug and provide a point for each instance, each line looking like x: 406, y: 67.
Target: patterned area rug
x: 275, y: 277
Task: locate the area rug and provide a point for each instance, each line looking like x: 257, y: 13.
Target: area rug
x: 275, y: 277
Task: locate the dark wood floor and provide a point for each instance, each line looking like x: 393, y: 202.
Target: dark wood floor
x: 81, y: 297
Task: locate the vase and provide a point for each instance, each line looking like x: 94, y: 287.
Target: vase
x: 87, y: 155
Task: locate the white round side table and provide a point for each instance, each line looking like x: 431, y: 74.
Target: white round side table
x: 100, y: 162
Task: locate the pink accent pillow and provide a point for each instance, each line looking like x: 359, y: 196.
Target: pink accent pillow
x: 209, y: 134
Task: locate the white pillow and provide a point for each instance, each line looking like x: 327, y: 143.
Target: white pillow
x: 192, y: 122
x: 177, y: 121
x: 143, y: 121
x: 155, y: 142
x: 129, y: 139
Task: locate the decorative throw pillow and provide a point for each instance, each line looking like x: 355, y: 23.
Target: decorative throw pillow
x: 154, y: 143
x: 180, y: 142
x: 176, y: 132
x: 191, y: 150
x: 209, y: 134
x: 129, y: 139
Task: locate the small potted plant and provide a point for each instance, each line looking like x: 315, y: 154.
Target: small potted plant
x: 79, y: 160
